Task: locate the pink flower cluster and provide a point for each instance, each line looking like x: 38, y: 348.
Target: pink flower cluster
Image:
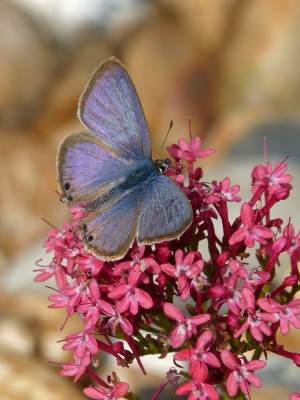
x: 224, y: 306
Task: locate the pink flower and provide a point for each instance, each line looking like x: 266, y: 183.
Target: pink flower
x: 251, y: 232
x: 91, y: 305
x: 197, y: 389
x: 294, y: 396
x: 48, y: 271
x: 78, y: 367
x: 294, y: 250
x: 184, y: 271
x: 130, y: 296
x: 241, y: 375
x: 230, y: 294
x: 81, y: 342
x: 250, y: 278
x: 69, y: 297
x: 200, y: 356
x: 271, y: 180
x: 118, y: 319
x: 146, y: 264
x: 188, y: 152
x: 186, y: 327
x: 117, y: 392
x: 223, y: 191
x: 285, y: 314
x: 255, y: 321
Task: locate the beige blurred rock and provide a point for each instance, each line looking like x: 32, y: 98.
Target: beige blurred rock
x: 28, y: 63
x: 26, y: 378
x: 28, y: 326
x: 15, y: 337
x: 260, y: 58
x: 28, y: 184
x: 62, y: 101
x: 206, y: 21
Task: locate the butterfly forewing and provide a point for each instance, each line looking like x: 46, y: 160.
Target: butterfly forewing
x: 110, y: 107
x: 86, y: 170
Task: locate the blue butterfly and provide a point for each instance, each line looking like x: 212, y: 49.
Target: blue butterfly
x: 110, y: 168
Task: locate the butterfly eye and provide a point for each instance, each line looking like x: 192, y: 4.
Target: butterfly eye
x: 67, y: 186
x: 162, y: 165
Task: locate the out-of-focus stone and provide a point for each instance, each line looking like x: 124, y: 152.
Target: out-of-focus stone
x: 259, y: 61
x: 26, y: 378
x: 28, y: 326
x: 27, y: 174
x: 27, y: 64
x: 15, y: 336
x: 60, y: 106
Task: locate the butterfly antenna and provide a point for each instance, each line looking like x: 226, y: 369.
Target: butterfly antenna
x: 166, y: 137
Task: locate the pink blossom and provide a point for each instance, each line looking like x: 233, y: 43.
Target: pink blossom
x: 294, y: 396
x: 250, y: 278
x: 189, y: 152
x: 118, y: 319
x: 81, y: 342
x: 285, y: 314
x: 130, y: 296
x: 230, y: 294
x: 48, y: 271
x: 198, y: 389
x: 78, y: 367
x: 199, y: 356
x: 251, y: 232
x: 255, y: 321
x: 294, y: 250
x: 146, y: 264
x: 117, y: 392
x: 91, y: 305
x: 241, y: 375
x: 184, y: 271
x: 186, y: 327
x: 69, y: 297
x: 271, y: 180
x: 223, y: 191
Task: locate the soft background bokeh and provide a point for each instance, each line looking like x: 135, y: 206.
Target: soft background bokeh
x: 230, y: 65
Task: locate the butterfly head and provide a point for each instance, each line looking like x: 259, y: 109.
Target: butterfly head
x: 162, y: 165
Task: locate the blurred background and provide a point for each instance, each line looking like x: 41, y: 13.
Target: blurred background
x: 230, y: 65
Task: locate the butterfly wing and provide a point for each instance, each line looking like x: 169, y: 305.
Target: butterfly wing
x: 86, y: 170
x: 165, y: 212
x: 109, y: 106
x: 109, y: 233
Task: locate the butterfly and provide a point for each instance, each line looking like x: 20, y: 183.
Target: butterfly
x: 110, y: 169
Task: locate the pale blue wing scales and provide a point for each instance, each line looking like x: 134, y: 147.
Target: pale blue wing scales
x: 109, y: 106
x: 86, y: 170
x: 165, y: 212
x: 109, y: 234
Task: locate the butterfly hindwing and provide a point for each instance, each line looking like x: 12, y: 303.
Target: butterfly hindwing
x: 108, y: 234
x: 165, y: 212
